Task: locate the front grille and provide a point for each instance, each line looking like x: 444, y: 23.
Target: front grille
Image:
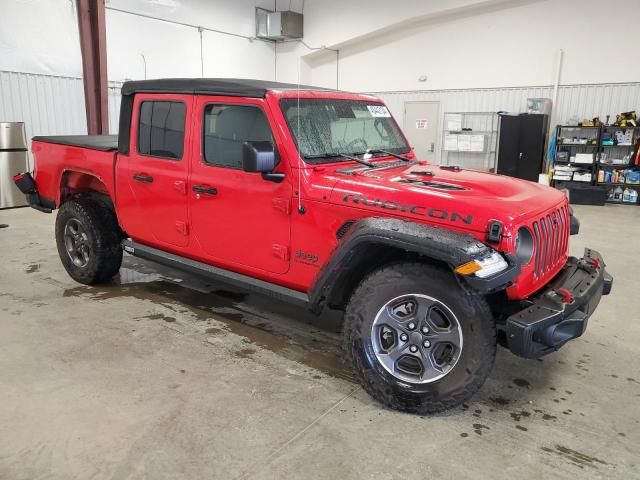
x: 551, y: 237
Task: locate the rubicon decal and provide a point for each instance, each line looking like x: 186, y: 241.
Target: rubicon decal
x: 437, y: 213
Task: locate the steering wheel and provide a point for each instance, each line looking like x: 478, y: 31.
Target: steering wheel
x: 354, y: 143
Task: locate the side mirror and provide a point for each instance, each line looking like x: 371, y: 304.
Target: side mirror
x: 258, y: 157
x: 261, y: 157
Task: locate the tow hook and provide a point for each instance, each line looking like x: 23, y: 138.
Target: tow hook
x: 595, y: 263
x: 565, y: 294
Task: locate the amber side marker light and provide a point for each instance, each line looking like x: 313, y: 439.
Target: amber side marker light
x: 468, y: 268
x: 484, y: 267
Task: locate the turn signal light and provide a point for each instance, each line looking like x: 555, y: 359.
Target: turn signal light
x: 483, y: 267
x: 468, y: 268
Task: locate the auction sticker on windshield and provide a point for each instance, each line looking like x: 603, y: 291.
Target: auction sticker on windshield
x: 378, y: 111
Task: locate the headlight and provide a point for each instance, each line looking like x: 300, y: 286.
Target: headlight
x: 524, y: 245
x: 494, y: 263
x: 483, y: 267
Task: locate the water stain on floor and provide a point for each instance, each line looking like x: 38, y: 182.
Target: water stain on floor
x: 158, y: 316
x: 317, y: 349
x: 32, y: 268
x: 245, y: 353
x: 517, y: 416
x: 545, y: 415
x: 478, y: 427
x: 577, y: 458
x: 325, y: 358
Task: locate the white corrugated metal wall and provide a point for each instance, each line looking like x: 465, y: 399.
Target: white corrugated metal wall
x: 114, y: 106
x: 51, y: 105
x: 582, y: 101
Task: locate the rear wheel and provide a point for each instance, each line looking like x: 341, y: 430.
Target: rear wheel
x: 88, y: 239
x: 416, y: 340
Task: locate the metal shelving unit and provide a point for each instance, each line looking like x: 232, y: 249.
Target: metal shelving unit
x: 470, y: 140
x: 619, y: 150
x: 572, y: 140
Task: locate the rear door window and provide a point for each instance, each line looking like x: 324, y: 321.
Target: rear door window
x: 161, y: 129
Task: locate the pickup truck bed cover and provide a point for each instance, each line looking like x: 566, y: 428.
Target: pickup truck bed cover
x: 105, y: 143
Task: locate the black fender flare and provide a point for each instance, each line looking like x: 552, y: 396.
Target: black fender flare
x: 447, y: 246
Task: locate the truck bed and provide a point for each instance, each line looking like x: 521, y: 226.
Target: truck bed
x: 76, y: 162
x: 104, y: 143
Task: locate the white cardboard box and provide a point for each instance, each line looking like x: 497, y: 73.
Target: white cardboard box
x: 562, y: 176
x: 584, y: 158
x: 581, y: 177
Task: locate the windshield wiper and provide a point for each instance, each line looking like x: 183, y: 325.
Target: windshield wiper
x: 377, y: 150
x: 341, y: 155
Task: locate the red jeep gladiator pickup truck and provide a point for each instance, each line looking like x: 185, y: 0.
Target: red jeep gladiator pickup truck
x: 315, y: 197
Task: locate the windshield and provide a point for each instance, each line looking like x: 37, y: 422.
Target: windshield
x: 329, y: 127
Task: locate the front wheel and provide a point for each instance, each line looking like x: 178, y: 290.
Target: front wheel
x: 88, y: 239
x: 416, y: 340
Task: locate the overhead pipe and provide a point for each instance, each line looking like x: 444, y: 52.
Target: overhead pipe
x: 554, y: 99
x: 144, y: 64
x: 185, y: 24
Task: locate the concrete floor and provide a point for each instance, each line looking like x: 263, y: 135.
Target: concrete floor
x: 161, y: 376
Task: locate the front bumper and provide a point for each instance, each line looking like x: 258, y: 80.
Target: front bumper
x: 561, y: 311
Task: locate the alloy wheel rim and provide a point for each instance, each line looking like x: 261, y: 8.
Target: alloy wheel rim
x: 76, y: 242
x: 416, y: 338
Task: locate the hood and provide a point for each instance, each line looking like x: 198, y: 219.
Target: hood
x: 466, y: 199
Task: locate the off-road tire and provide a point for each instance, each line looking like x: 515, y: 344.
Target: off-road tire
x: 476, y: 323
x: 103, y: 237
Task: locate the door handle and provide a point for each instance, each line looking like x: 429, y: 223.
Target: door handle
x: 205, y: 190
x: 143, y: 178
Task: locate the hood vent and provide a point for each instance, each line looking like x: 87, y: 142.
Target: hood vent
x: 430, y: 184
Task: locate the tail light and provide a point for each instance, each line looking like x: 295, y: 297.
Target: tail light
x: 25, y: 182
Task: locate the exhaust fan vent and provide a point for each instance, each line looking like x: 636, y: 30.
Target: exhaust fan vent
x: 278, y: 25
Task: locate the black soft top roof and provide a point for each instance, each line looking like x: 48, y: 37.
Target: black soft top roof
x: 240, y: 87
x: 233, y: 87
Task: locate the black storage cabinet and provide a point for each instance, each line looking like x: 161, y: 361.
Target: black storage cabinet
x: 521, y: 145
x: 585, y: 194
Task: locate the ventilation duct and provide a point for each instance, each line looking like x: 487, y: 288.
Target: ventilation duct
x: 278, y: 26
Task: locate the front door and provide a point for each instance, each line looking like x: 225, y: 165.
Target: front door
x: 421, y: 127
x: 240, y: 220
x: 155, y: 210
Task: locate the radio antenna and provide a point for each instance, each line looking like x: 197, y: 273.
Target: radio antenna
x: 300, y: 207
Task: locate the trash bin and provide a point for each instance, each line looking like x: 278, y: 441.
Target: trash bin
x: 13, y: 159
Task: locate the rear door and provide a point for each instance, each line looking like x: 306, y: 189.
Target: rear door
x: 157, y: 170
x: 239, y: 219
